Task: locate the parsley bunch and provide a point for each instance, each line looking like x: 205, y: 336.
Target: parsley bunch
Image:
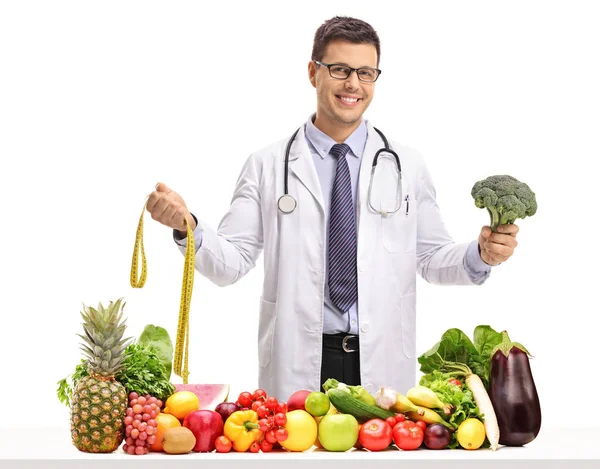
x: 143, y: 372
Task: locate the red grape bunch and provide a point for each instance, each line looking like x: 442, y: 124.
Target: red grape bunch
x: 140, y: 426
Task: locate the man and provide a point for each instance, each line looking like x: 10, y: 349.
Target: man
x: 341, y: 255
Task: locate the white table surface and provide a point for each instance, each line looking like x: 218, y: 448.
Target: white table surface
x: 52, y: 448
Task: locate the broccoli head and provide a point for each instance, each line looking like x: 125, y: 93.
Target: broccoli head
x: 505, y: 198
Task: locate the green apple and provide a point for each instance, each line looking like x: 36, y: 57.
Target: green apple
x: 338, y: 432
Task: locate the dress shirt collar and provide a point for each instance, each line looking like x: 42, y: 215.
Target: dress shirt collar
x: 323, y: 142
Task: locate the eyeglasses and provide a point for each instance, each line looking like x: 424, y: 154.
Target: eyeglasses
x: 342, y: 72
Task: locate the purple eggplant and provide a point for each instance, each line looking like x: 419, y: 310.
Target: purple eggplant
x: 513, y: 394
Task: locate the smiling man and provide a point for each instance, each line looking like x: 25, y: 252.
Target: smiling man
x: 342, y: 243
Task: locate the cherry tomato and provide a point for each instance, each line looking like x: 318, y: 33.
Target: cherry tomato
x: 400, y: 417
x: 407, y: 437
x: 259, y: 394
x: 455, y: 381
x: 271, y: 403
x: 263, y: 425
x: 281, y: 434
x: 256, y: 405
x: 375, y: 435
x: 245, y: 399
x: 262, y: 412
x: 391, y: 421
x: 222, y: 444
x: 270, y: 436
x: 281, y: 408
x: 422, y: 425
x: 280, y: 420
x: 266, y: 447
x: 254, y: 447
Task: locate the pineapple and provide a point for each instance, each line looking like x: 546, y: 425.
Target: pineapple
x: 99, y: 402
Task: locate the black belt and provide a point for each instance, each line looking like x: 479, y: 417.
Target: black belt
x: 341, y: 341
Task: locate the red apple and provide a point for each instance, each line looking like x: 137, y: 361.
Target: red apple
x: 207, y: 426
x: 297, y: 400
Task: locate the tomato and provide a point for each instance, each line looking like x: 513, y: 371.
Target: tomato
x: 262, y: 411
x: 405, y: 424
x: 400, y: 417
x: 222, y: 444
x: 271, y: 403
x: 256, y: 405
x: 391, y: 421
x: 259, y: 394
x: 280, y: 420
x: 281, y: 434
x: 455, y: 381
x: 422, y: 425
x: 254, y: 447
x: 375, y: 435
x: 281, y: 408
x: 265, y: 446
x: 245, y: 399
x: 270, y: 436
x: 407, y: 437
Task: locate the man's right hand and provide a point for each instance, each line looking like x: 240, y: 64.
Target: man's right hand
x: 167, y: 207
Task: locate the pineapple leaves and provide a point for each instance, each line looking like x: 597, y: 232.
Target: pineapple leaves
x: 141, y: 371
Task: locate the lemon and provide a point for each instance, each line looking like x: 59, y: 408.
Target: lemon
x: 471, y: 434
x: 181, y: 403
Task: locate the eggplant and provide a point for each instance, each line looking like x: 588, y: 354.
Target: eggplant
x: 513, y: 394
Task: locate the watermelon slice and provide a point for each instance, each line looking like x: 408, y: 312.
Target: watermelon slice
x: 210, y: 395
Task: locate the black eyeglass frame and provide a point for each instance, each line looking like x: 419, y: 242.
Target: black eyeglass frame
x: 350, y: 72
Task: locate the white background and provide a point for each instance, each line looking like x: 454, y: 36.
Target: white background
x: 101, y: 100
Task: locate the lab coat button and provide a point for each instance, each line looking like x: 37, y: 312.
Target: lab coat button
x: 365, y: 327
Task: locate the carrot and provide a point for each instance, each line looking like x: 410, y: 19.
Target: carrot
x: 482, y: 399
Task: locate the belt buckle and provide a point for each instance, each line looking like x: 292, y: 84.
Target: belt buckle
x: 345, y: 344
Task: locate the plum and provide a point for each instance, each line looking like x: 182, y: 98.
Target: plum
x: 226, y: 409
x: 437, y: 436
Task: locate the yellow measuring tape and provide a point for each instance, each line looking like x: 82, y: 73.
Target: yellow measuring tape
x: 180, y: 359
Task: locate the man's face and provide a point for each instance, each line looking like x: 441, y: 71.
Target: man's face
x: 335, y: 96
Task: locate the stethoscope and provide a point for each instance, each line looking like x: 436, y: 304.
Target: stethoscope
x: 287, y: 203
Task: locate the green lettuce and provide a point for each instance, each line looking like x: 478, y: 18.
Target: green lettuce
x: 456, y: 347
x: 158, y: 338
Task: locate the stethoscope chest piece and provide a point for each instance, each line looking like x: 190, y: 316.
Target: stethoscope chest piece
x: 286, y: 203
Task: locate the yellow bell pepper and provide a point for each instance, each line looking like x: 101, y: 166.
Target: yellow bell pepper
x: 242, y: 429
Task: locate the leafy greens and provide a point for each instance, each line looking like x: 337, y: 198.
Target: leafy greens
x: 461, y: 398
x: 455, y: 346
x: 146, y: 368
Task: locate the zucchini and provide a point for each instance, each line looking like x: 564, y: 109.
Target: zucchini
x: 345, y: 403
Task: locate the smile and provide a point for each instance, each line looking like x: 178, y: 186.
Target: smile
x: 347, y: 100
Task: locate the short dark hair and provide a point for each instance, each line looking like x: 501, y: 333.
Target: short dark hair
x: 345, y: 28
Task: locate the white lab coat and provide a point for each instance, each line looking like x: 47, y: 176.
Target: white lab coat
x: 390, y: 253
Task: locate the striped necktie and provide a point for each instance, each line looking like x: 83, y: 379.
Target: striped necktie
x: 343, y: 282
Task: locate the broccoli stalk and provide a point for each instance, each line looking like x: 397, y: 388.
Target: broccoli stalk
x: 505, y: 198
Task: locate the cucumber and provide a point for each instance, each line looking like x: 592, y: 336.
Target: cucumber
x: 346, y: 404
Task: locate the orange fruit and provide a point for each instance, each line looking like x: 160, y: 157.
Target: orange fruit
x: 181, y: 403
x: 163, y: 423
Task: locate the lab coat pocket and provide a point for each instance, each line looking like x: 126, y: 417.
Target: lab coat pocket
x: 266, y: 329
x: 409, y: 324
x: 399, y: 229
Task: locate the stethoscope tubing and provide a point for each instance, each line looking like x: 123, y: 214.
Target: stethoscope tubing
x: 287, y: 203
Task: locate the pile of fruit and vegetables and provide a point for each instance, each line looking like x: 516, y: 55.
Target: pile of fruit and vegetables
x: 473, y: 394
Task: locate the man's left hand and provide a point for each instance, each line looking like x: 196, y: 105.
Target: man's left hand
x: 496, y: 248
